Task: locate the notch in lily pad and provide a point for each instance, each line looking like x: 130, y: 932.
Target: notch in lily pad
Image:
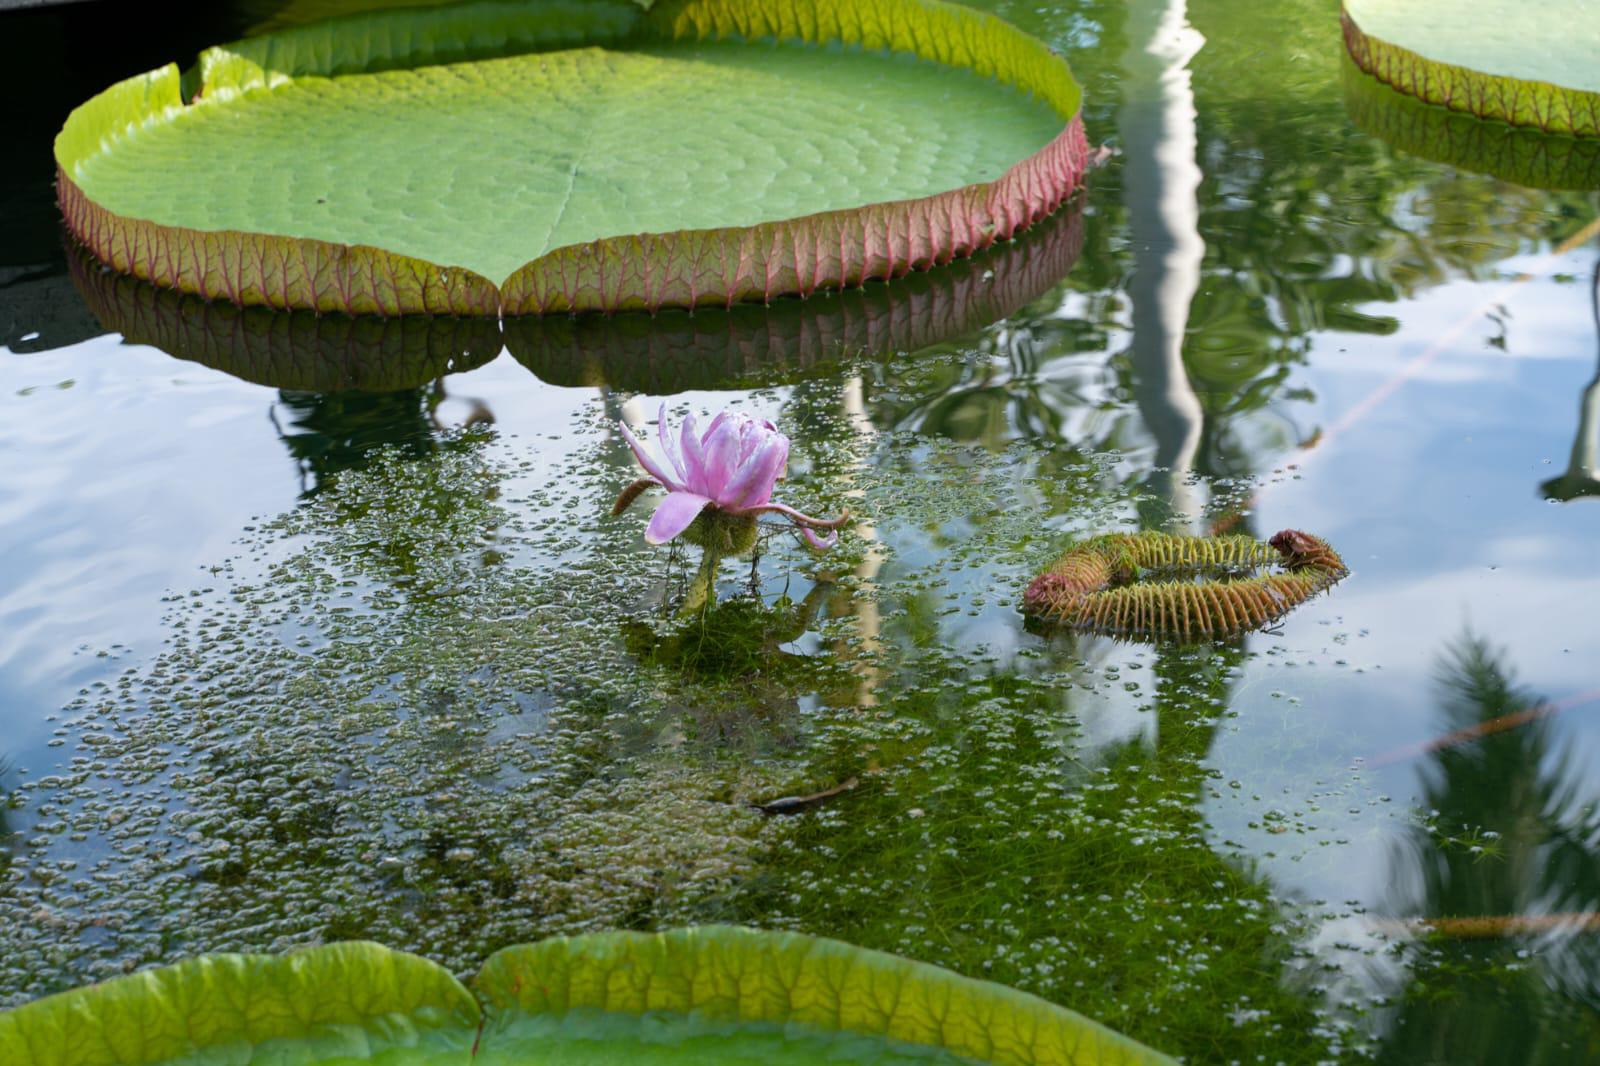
x: 495, y: 158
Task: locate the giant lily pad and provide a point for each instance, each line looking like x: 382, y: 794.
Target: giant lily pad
x: 1525, y: 156
x: 558, y: 155
x: 716, y: 995
x: 712, y: 348
x: 1529, y: 64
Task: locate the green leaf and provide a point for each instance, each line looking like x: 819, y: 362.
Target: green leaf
x: 1528, y: 64
x: 344, y: 1003
x: 1525, y: 156
x: 726, y: 995
x: 734, y: 997
x: 581, y: 155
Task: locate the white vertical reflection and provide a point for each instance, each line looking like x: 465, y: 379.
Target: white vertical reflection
x: 1160, y: 182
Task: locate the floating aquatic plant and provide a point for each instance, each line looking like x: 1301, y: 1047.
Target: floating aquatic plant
x: 1525, y: 64
x: 1519, y: 154
x: 718, y: 482
x: 592, y: 156
x: 1102, y: 584
x: 715, y: 994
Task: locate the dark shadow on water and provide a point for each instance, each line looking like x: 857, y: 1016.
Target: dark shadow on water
x: 329, y: 432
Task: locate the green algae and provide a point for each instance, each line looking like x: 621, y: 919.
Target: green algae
x: 444, y: 704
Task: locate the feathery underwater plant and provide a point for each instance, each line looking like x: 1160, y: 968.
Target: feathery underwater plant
x: 1101, y: 584
x: 718, y: 482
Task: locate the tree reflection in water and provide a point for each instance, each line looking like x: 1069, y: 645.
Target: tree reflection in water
x: 1511, y: 831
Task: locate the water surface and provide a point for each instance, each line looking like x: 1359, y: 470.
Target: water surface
x: 284, y: 661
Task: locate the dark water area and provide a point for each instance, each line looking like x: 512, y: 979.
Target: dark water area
x: 319, y: 628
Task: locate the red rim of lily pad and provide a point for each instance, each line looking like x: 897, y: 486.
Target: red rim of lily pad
x: 647, y: 271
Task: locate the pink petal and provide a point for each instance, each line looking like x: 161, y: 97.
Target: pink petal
x: 722, y: 416
x: 820, y: 543
x: 752, y: 434
x: 721, y: 445
x: 673, y: 516
x: 694, y: 461
x: 753, y: 483
x: 646, y: 460
x: 666, y: 444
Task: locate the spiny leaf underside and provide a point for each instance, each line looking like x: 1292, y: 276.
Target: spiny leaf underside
x: 688, y: 268
x: 1101, y: 584
x: 1539, y: 104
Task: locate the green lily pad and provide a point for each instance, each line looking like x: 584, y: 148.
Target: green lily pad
x: 1528, y: 64
x: 342, y: 1003
x: 1517, y: 154
x: 711, y: 348
x: 712, y: 995
x: 567, y: 156
x: 717, y: 348
x: 295, y: 350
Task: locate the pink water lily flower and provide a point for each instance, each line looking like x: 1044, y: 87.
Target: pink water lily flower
x: 733, y: 466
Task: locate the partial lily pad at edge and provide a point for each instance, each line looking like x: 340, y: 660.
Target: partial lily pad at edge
x: 1527, y: 157
x: 712, y: 995
x: 400, y: 108
x: 347, y: 1002
x: 807, y: 988
x: 1527, y: 64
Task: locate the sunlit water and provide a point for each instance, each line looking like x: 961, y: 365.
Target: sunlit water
x: 281, y: 664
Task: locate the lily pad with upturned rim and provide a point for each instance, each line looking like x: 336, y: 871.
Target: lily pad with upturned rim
x: 715, y: 995
x: 561, y: 156
x: 1528, y: 157
x: 713, y: 348
x: 1527, y: 64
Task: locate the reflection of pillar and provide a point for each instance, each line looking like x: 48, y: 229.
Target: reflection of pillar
x: 869, y: 624
x: 1160, y: 180
x: 1583, y: 469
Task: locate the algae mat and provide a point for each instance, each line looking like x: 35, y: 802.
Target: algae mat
x: 548, y: 157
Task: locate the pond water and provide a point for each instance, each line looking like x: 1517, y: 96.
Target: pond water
x: 283, y: 660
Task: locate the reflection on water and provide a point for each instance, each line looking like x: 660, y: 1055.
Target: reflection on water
x: 790, y: 338
x: 1582, y: 477
x: 1510, y: 832
x: 424, y: 690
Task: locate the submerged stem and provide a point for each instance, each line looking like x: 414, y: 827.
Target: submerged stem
x: 704, y: 584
